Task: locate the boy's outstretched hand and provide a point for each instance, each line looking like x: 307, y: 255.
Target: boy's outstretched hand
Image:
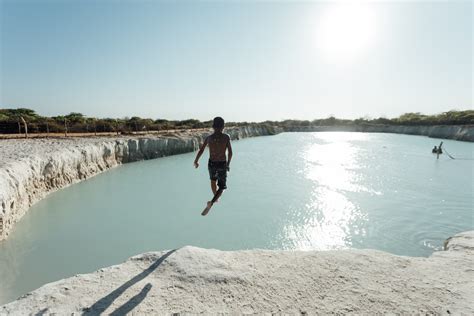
x: 196, y: 164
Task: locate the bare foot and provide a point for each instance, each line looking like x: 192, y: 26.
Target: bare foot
x: 207, y: 209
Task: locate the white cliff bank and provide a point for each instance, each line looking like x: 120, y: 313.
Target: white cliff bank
x: 456, y: 132
x: 195, y: 280
x: 32, y: 168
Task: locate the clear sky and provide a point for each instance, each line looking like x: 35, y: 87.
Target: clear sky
x: 242, y: 60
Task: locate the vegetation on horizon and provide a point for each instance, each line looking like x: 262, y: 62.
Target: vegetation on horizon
x: 11, y: 121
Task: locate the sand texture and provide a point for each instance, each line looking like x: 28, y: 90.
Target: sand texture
x: 195, y: 280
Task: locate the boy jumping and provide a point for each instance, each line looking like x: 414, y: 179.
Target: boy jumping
x: 218, y: 164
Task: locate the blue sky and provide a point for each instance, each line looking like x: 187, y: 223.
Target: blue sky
x: 242, y: 60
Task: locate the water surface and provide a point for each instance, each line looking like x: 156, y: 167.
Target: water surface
x: 306, y: 191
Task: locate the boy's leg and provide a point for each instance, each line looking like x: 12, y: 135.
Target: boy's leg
x: 221, y: 183
x: 211, y: 202
x: 214, y: 186
x: 217, y: 196
x: 207, y: 209
x: 213, y: 177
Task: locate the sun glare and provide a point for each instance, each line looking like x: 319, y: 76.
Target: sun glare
x: 345, y: 31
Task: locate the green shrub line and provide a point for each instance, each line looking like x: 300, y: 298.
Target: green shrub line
x: 11, y: 122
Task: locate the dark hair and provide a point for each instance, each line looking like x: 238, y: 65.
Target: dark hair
x: 218, y: 122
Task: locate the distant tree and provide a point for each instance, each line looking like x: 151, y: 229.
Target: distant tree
x: 381, y: 120
x: 11, y: 122
x: 329, y: 121
x: 190, y: 123
x: 75, y: 117
x: 15, y: 114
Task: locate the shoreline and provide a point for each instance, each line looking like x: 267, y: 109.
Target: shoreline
x: 30, y: 169
x: 196, y: 280
x: 454, y: 132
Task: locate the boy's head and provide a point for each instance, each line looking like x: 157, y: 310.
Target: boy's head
x: 218, y: 123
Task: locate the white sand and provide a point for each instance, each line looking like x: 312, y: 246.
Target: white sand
x: 195, y: 280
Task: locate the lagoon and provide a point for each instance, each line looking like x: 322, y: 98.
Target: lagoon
x: 305, y: 191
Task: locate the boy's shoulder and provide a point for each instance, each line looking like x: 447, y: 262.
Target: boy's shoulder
x: 220, y: 135
x: 227, y: 137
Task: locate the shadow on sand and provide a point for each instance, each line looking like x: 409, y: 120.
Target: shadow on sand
x: 101, y: 305
x: 42, y: 312
x: 133, y: 302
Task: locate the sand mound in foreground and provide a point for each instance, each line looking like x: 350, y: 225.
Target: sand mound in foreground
x: 195, y: 280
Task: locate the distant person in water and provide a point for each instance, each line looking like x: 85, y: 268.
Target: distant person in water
x: 218, y: 164
x: 437, y: 150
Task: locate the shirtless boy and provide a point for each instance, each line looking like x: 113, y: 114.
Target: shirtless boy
x: 218, y: 162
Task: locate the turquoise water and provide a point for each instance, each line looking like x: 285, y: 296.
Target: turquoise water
x: 291, y: 191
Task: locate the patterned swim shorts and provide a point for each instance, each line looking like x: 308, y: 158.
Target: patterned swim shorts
x: 218, y: 171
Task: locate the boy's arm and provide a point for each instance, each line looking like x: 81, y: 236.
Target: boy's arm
x: 229, y: 153
x: 201, y: 150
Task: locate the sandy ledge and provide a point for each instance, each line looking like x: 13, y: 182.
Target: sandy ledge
x: 32, y: 168
x: 195, y: 280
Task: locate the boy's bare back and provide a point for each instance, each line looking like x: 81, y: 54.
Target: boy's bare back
x: 218, y: 143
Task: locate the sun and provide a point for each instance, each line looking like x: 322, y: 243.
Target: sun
x: 345, y: 31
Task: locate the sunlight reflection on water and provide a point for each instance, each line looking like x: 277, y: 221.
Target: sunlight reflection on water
x: 326, y: 224
x: 331, y: 162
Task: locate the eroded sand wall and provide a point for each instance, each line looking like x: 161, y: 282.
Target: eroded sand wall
x: 30, y: 177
